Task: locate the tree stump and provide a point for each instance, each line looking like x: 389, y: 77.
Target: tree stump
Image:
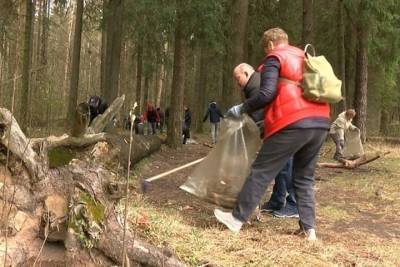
x: 69, y: 204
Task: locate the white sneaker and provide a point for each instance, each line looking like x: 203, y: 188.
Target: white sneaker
x: 310, y: 234
x: 227, y: 218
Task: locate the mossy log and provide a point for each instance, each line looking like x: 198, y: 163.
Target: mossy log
x: 50, y: 191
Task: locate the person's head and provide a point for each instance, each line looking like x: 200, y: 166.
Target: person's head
x: 274, y: 37
x: 242, y: 73
x: 350, y: 113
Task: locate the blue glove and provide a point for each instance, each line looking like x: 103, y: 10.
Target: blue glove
x: 235, y: 111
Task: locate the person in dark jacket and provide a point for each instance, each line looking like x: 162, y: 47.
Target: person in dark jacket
x: 293, y: 127
x: 215, y: 114
x: 249, y: 81
x: 187, y: 121
x: 97, y: 106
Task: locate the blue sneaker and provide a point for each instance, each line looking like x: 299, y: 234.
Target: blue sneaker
x: 269, y: 208
x: 286, y: 212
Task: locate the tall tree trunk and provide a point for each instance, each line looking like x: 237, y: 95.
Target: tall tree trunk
x: 161, y: 79
x: 113, y: 15
x: 45, y: 32
x: 104, y: 32
x: 350, y: 50
x: 139, y: 72
x: 26, y: 64
x: 174, y: 135
x: 67, y: 63
x: 76, y: 55
x: 238, y: 39
x: 308, y: 21
x: 201, y: 88
x: 384, y: 122
x: 341, y: 53
x: 360, y: 95
x: 146, y: 89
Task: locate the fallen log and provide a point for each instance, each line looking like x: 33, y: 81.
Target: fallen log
x: 350, y: 164
x: 144, y: 253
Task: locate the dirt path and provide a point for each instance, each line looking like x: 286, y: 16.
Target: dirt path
x: 165, y: 191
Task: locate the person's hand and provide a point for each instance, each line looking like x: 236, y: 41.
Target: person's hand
x: 235, y: 111
x: 341, y: 143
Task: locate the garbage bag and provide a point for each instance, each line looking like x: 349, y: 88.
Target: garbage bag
x: 353, y: 147
x: 221, y: 175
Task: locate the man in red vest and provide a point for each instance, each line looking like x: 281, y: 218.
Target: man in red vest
x: 293, y: 126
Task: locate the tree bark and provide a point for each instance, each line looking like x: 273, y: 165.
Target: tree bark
x: 238, y: 39
x: 75, y: 65
x: 201, y: 88
x: 308, y: 22
x: 139, y: 72
x: 341, y: 53
x: 113, y: 18
x: 174, y: 135
x: 360, y: 97
x: 26, y: 64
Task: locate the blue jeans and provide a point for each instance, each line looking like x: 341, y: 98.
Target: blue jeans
x: 283, y: 184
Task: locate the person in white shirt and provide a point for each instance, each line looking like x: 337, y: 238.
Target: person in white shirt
x: 338, y: 130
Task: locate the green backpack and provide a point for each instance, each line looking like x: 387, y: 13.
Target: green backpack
x: 319, y: 82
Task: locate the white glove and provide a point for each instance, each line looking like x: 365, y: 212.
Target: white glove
x: 235, y: 111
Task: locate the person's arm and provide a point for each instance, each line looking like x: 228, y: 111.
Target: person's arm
x: 268, y: 86
x: 219, y: 113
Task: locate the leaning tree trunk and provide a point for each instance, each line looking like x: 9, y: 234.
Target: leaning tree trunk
x: 74, y: 204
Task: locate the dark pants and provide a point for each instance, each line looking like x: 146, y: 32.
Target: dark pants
x: 283, y: 184
x: 151, y: 128
x: 339, y: 150
x: 303, y: 145
x: 186, y: 134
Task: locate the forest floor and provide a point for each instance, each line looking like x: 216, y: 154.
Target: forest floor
x: 358, y: 216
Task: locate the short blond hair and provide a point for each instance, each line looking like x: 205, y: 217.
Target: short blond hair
x: 274, y: 35
x: 244, y: 67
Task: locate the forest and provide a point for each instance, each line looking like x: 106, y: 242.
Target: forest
x: 56, y: 54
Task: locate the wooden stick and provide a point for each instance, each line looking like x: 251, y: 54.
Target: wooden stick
x: 173, y: 170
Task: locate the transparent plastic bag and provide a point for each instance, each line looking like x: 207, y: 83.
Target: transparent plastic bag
x: 221, y: 175
x: 353, y: 147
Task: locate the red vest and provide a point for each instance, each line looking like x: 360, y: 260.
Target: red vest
x: 289, y: 105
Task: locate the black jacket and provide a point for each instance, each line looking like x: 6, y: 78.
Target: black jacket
x: 251, y: 89
x: 187, y: 119
x: 214, y: 113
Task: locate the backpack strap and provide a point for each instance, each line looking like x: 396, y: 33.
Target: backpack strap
x: 312, y: 48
